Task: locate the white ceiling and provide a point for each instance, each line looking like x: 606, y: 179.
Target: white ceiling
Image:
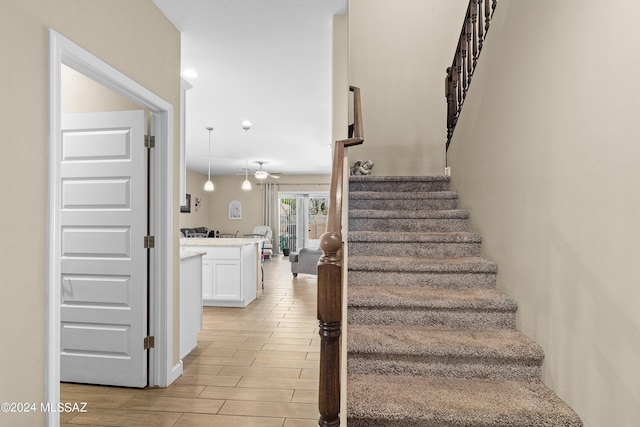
x: 266, y: 61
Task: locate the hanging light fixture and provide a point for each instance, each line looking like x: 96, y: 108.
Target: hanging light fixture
x: 246, y: 184
x: 208, y: 186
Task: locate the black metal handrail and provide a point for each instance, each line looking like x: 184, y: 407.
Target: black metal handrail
x: 474, y: 31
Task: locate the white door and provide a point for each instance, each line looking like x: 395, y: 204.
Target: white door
x: 103, y: 263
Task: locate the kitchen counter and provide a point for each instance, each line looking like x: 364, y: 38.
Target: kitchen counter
x: 230, y: 269
x: 190, y: 254
x: 233, y: 242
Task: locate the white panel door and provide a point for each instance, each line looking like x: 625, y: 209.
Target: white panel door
x: 103, y: 307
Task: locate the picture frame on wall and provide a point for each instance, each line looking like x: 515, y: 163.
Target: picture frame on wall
x: 235, y: 210
x: 187, y: 207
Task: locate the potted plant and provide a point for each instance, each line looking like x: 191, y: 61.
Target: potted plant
x: 284, y: 246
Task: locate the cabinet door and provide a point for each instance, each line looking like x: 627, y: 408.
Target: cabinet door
x: 226, y: 280
x: 207, y: 278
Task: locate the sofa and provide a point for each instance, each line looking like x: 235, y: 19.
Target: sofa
x: 197, y: 232
x: 305, y: 261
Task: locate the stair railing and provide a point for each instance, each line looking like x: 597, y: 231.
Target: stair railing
x: 330, y: 280
x: 474, y: 31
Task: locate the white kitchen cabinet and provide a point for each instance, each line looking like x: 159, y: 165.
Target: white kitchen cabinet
x: 190, y: 300
x: 207, y: 278
x: 230, y: 270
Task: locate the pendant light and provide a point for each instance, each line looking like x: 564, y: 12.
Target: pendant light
x: 208, y: 186
x: 246, y: 184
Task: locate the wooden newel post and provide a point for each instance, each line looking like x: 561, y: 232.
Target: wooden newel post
x: 329, y: 320
x: 330, y: 281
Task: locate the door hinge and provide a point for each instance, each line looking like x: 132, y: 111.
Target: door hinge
x: 149, y: 141
x: 149, y: 242
x: 149, y: 342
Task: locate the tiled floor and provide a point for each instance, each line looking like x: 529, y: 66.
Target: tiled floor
x: 256, y: 366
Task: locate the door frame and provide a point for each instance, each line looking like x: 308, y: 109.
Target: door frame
x: 63, y: 51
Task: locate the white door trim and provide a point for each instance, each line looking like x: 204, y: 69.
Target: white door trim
x: 161, y: 372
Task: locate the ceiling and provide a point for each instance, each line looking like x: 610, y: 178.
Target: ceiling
x: 266, y: 61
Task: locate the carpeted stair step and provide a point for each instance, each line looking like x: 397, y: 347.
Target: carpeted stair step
x: 407, y: 220
x: 443, y: 200
x: 429, y: 245
x: 408, y: 271
x: 402, y: 401
x: 423, y: 306
x: 503, y: 354
x: 399, y: 183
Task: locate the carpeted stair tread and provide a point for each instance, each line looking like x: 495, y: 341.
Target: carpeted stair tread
x: 472, y: 307
x: 402, y: 195
x: 443, y: 244
x: 370, y: 179
x: 409, y: 214
x: 431, y: 265
x: 399, y: 183
x: 404, y: 401
x: 430, y: 298
x: 389, y: 341
x: 403, y: 200
x: 413, y: 236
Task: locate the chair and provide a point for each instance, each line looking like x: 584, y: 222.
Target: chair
x: 267, y: 247
x: 305, y: 261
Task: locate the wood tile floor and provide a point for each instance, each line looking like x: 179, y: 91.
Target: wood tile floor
x: 254, y: 366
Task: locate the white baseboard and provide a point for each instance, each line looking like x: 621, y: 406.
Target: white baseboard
x: 176, y: 372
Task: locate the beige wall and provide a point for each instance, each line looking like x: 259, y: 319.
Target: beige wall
x: 228, y: 188
x: 198, y: 217
x: 214, y: 208
x: 398, y: 53
x: 81, y: 94
x: 546, y: 158
x: 139, y: 41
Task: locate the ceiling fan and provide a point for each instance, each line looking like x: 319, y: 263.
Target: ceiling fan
x: 261, y: 173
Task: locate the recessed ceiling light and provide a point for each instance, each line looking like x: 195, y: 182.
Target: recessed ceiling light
x: 190, y: 72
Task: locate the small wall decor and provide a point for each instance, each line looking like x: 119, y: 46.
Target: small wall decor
x: 235, y: 210
x: 187, y: 207
x: 362, y: 167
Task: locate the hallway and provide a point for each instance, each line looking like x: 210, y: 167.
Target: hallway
x: 256, y: 366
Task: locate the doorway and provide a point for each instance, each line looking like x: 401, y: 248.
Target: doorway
x: 303, y: 219
x: 63, y: 52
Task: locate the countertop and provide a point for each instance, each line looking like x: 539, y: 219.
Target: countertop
x: 190, y: 254
x: 232, y: 242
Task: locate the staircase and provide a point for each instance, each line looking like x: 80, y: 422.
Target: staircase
x: 431, y: 341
